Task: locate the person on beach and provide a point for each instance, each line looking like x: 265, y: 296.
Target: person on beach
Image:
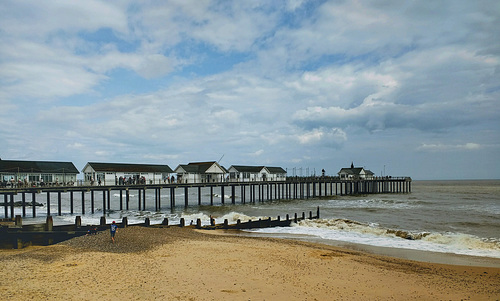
x: 113, y: 231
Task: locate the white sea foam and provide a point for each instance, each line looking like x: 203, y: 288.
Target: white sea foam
x: 354, y: 232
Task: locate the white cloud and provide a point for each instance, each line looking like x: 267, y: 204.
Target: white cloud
x: 449, y: 147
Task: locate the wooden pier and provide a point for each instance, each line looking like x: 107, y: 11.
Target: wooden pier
x: 246, y: 192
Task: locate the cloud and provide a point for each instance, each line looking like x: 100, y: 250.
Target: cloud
x: 449, y: 147
x: 285, y: 82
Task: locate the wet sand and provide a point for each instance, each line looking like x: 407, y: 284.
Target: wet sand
x: 184, y: 264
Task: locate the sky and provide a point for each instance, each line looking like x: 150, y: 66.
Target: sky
x: 402, y: 88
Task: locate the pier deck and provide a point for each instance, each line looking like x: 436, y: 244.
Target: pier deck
x: 293, y: 188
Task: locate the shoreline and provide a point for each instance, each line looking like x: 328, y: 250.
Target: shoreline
x: 187, y: 264
x: 408, y: 254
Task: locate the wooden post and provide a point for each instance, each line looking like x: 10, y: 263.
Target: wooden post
x: 127, y: 198
x: 172, y: 197
x: 103, y: 221
x: 211, y: 195
x: 83, y: 202
x: 186, y: 197
x: 71, y: 201
x: 92, y: 201
x: 59, y: 204
x: 222, y: 194
x: 143, y: 199
x: 24, y: 204
x: 182, y: 223
x: 49, y: 223
x: 109, y: 199
x: 33, y: 203
x: 199, y: 195
x: 5, y: 206
x: 233, y: 196
x: 12, y: 206
x: 48, y: 203
x: 159, y: 198
x: 139, y: 199
x: 103, y: 202
x: 165, y: 222
x: 121, y: 199
x: 78, y: 222
x: 198, y: 223
x: 19, y: 221
x: 124, y: 222
x: 147, y: 222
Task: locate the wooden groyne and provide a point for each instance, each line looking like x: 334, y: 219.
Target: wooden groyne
x: 17, y: 236
x: 247, y: 192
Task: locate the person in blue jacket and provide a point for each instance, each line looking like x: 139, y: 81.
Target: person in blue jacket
x: 113, y: 229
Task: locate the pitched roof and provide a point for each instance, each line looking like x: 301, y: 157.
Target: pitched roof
x: 127, y: 167
x: 199, y: 167
x: 255, y: 169
x: 12, y: 166
x: 351, y: 171
x: 244, y: 168
x: 275, y: 170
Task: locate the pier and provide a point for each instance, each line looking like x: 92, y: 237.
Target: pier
x: 89, y: 198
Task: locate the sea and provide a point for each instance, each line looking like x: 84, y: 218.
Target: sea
x: 436, y: 220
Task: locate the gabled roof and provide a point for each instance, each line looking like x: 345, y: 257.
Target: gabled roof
x: 199, y: 167
x: 351, y: 171
x: 275, y: 170
x: 126, y: 167
x: 244, y: 168
x: 14, y: 166
x: 256, y: 169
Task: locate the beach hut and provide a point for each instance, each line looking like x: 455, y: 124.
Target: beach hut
x: 125, y: 173
x: 201, y: 172
x: 355, y: 173
x: 245, y: 173
x: 16, y: 173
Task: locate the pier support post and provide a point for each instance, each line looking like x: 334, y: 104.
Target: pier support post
x: 48, y: 203
x: 59, y: 204
x: 33, y: 203
x: 83, y: 202
x: 12, y: 206
x: 24, y: 203
x: 186, y: 197
x: 199, y: 195
x: 71, y: 201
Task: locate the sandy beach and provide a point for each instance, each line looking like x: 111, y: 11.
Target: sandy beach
x: 184, y: 264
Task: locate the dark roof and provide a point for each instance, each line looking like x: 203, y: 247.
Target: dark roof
x: 275, y: 170
x: 199, y: 167
x: 352, y: 171
x: 37, y: 166
x: 126, y: 167
x: 243, y: 168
